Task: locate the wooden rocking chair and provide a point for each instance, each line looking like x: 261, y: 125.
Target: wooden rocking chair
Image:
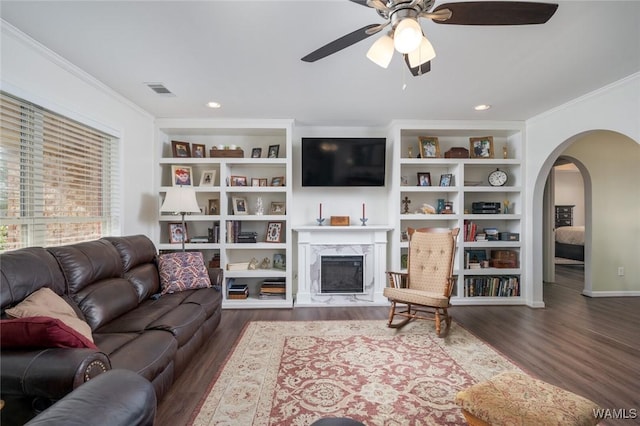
x: 426, y: 287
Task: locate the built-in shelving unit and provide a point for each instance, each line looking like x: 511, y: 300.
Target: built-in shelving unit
x: 499, y: 280
x: 218, y: 222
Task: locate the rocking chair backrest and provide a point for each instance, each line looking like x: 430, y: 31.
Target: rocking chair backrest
x: 431, y: 256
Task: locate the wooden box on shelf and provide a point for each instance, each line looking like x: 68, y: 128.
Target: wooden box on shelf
x: 339, y: 220
x: 457, y: 152
x: 504, y: 259
x: 226, y: 153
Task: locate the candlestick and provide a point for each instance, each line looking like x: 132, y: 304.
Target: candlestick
x: 320, y: 219
x: 363, y: 219
x: 363, y: 215
x: 320, y: 215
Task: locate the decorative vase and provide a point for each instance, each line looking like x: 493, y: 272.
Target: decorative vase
x: 440, y: 207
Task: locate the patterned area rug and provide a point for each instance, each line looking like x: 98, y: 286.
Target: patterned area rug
x: 295, y: 372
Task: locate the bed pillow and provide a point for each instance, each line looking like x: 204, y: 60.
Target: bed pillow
x: 45, y: 303
x: 182, y: 271
x: 41, y: 332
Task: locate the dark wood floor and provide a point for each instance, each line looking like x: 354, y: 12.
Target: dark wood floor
x: 589, y: 346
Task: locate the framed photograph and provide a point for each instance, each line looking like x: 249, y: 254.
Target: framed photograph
x: 277, y: 207
x: 255, y: 181
x: 264, y: 182
x: 177, y: 234
x: 240, y: 205
x: 279, y: 261
x: 214, y: 207
x: 181, y: 149
x: 208, y: 178
x: 238, y: 181
x: 198, y: 150
x: 429, y: 147
x: 273, y: 151
x: 274, y: 232
x: 181, y: 175
x: 256, y: 153
x: 476, y: 256
x: 481, y: 147
x: 277, y: 181
x: 446, y: 179
x: 424, y: 179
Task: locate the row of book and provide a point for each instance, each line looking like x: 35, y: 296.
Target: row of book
x: 501, y: 286
x: 270, y: 288
x: 471, y: 232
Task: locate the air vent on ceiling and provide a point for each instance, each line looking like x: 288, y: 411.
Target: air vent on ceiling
x: 160, y: 89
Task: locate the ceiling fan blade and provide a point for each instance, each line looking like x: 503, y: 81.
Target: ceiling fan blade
x: 376, y: 4
x: 497, y: 13
x: 341, y: 43
x: 419, y: 70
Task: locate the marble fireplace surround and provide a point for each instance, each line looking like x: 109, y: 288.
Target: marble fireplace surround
x: 317, y: 241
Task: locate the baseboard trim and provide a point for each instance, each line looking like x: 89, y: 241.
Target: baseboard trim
x: 591, y: 293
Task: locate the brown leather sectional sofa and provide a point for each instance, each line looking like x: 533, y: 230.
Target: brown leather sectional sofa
x: 114, y: 284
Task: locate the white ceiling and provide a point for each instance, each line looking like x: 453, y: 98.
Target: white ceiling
x: 246, y: 55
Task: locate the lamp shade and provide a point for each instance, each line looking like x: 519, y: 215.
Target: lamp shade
x: 381, y: 51
x: 424, y: 53
x: 407, y: 35
x: 180, y: 199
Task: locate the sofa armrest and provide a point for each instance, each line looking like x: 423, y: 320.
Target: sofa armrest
x: 49, y: 373
x: 116, y: 398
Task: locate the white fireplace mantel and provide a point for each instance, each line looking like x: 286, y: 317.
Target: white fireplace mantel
x: 316, y: 241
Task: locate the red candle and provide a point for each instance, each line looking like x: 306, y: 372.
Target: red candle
x: 320, y: 211
x: 363, y: 216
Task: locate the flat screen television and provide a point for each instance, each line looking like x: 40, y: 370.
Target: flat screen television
x: 343, y: 161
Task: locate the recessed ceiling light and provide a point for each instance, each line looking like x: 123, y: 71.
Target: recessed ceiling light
x: 482, y: 107
x: 213, y: 104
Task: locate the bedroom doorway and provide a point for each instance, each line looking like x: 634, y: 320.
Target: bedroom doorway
x: 566, y: 212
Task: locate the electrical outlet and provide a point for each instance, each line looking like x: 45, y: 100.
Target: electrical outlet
x: 621, y: 271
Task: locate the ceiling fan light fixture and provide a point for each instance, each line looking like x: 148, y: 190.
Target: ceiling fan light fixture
x: 381, y: 51
x: 407, y: 36
x: 424, y: 53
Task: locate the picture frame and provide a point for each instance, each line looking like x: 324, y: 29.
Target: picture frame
x: 214, y: 206
x: 255, y: 181
x: 476, y: 256
x: 208, y: 178
x: 446, y: 179
x: 181, y: 149
x: 177, y: 233
x: 279, y: 261
x: 238, y: 181
x: 264, y: 182
x: 429, y: 147
x: 274, y: 232
x: 481, y: 147
x: 181, y: 175
x: 277, y: 208
x: 424, y: 179
x: 277, y: 181
x: 240, y: 205
x: 198, y: 150
x: 273, y: 152
x: 256, y: 153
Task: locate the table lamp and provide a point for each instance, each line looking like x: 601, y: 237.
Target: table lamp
x: 180, y: 200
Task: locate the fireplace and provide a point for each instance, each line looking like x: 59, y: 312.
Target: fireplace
x: 342, y: 274
x: 341, y: 265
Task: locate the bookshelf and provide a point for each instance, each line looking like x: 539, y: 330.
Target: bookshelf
x: 472, y: 202
x: 244, y: 223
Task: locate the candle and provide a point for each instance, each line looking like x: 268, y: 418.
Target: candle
x: 320, y: 211
x: 363, y: 216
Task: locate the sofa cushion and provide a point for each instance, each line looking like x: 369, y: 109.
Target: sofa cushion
x: 45, y: 303
x: 182, y: 271
x: 183, y: 322
x: 41, y: 332
x: 139, y: 259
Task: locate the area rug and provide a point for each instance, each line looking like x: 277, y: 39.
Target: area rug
x: 296, y: 372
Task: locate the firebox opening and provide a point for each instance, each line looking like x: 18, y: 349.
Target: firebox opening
x: 342, y: 274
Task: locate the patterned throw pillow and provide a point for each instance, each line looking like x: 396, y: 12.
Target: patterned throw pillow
x: 182, y: 271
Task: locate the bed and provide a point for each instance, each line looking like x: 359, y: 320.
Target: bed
x: 570, y: 242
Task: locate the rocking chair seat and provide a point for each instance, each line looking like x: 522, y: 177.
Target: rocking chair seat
x: 418, y: 297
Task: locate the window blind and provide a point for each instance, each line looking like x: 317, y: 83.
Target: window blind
x: 58, y: 178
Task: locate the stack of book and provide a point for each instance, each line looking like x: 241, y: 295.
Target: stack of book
x: 492, y: 234
x: 246, y: 237
x: 273, y: 288
x: 236, y: 291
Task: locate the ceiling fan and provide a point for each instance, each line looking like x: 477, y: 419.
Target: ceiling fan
x: 406, y: 35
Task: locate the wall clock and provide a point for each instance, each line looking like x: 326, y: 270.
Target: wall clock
x: 497, y: 178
